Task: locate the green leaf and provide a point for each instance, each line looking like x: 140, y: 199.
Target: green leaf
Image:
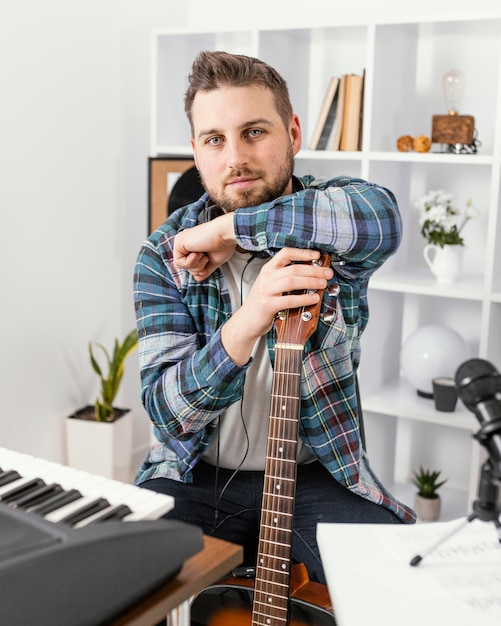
x: 110, y: 383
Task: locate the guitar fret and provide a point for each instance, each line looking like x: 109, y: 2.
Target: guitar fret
x: 274, y: 512
x: 274, y: 562
x: 281, y: 586
x: 284, y: 419
x: 292, y: 375
x: 278, y: 495
x: 268, y: 600
x: 277, y: 458
x: 277, y: 479
x: 285, y: 531
x: 274, y: 543
x: 279, y: 613
x: 277, y: 565
x: 276, y: 617
x: 283, y: 575
x: 283, y: 440
x: 289, y: 346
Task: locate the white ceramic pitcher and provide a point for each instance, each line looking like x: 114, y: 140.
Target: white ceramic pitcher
x: 446, y: 263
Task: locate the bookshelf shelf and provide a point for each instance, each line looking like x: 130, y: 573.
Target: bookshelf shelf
x: 403, y: 63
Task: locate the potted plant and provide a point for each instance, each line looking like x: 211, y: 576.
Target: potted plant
x: 442, y: 225
x: 99, y: 436
x: 427, y: 501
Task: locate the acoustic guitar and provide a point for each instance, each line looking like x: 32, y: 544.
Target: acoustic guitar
x: 280, y: 594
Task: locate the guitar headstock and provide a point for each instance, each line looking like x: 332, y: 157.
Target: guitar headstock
x: 295, y: 326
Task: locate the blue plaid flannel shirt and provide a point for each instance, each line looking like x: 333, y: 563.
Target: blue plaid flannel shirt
x: 187, y: 377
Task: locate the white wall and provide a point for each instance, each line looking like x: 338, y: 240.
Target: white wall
x: 73, y: 148
x: 74, y: 141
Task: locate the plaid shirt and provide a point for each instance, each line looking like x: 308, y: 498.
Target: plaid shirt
x: 187, y: 377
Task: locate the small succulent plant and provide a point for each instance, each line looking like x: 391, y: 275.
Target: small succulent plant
x: 427, y: 482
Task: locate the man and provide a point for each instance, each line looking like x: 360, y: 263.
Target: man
x: 208, y: 285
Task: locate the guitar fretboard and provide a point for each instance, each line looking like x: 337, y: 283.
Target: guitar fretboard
x: 274, y: 556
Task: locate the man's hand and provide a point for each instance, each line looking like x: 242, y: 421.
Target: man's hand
x: 202, y: 249
x: 291, y: 270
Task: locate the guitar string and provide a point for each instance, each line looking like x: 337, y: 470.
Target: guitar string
x: 281, y: 447
x: 283, y: 432
x: 281, y: 397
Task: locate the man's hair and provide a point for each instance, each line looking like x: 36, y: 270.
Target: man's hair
x: 212, y: 70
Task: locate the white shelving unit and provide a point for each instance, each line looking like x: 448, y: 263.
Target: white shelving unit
x: 404, y: 64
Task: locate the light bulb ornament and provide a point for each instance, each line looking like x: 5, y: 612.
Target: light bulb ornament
x: 455, y: 132
x: 452, y: 83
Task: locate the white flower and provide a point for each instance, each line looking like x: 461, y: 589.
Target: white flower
x: 441, y: 223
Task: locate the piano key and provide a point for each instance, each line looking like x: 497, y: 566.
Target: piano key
x: 56, y: 502
x: 8, y: 477
x: 67, y: 510
x: 86, y: 511
x: 17, y: 483
x: 112, y: 513
x: 38, y: 496
x: 144, y: 503
x: 18, y: 491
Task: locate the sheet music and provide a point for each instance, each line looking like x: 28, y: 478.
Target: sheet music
x: 371, y: 581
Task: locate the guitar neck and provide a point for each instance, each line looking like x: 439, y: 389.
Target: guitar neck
x: 274, y: 552
x: 273, y: 571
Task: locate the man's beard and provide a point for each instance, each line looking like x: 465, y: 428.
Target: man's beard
x: 253, y: 197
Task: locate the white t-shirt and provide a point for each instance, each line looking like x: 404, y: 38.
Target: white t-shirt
x: 243, y: 427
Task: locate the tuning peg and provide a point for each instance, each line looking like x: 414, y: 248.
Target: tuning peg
x: 333, y: 290
x: 328, y: 317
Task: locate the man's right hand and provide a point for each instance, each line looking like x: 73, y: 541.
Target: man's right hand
x: 202, y: 249
x: 290, y: 270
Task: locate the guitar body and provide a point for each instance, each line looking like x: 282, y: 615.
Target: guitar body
x: 229, y: 603
x: 280, y: 594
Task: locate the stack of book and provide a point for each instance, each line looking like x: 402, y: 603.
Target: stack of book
x: 339, y: 124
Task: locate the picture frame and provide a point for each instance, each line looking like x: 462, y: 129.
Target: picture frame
x: 163, y: 173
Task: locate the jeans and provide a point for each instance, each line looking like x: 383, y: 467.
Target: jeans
x: 230, y: 509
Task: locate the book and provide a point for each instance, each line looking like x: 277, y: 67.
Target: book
x: 352, y: 110
x: 338, y: 122
x: 327, y: 115
x: 361, y: 129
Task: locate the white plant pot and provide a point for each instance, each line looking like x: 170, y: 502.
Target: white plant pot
x: 427, y: 509
x: 102, y: 448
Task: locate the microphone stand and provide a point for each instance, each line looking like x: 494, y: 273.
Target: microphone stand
x: 485, y: 508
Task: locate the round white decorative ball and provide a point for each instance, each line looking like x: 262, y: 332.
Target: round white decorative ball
x: 431, y: 351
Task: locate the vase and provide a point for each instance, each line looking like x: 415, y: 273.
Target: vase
x: 102, y: 448
x: 427, y: 509
x: 445, y: 262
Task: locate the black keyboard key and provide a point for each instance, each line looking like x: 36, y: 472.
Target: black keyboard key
x: 38, y: 496
x: 9, y: 476
x: 56, y: 502
x: 19, y: 492
x: 86, y: 511
x: 116, y: 513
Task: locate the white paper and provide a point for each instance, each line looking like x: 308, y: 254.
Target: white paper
x: 370, y: 578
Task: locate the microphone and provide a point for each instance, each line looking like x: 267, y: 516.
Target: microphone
x: 479, y: 387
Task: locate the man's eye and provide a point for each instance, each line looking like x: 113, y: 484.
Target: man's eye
x: 214, y: 141
x: 255, y: 132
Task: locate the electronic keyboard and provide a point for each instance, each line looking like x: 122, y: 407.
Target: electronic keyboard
x: 61, y: 493
x: 78, y: 549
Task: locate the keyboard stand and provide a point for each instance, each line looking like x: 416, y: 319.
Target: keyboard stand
x: 206, y: 567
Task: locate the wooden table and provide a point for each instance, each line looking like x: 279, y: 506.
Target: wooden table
x: 206, y: 567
